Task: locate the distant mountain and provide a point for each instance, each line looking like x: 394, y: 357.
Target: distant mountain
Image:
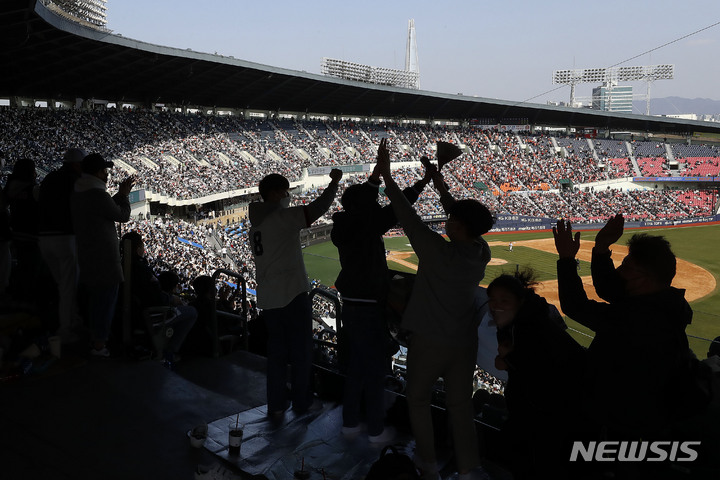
x: 678, y: 105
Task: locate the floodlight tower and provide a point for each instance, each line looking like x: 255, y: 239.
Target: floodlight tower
x: 358, y: 72
x: 411, y: 52
x: 657, y: 72
x: 575, y: 76
x: 611, y: 76
x: 94, y: 12
x: 569, y: 77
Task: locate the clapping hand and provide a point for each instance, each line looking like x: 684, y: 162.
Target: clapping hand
x: 430, y: 169
x: 566, y: 244
x: 439, y: 182
x: 610, y: 233
x: 383, y: 160
x: 126, y: 186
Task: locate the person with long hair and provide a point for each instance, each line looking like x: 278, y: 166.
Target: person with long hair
x: 542, y: 360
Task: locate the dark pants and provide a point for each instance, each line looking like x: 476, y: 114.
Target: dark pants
x: 365, y: 336
x: 101, y: 300
x: 289, y: 342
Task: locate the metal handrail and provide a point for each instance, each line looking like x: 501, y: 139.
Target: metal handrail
x: 335, y: 299
x: 245, y: 312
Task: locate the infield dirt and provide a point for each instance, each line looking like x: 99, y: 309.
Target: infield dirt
x: 696, y: 281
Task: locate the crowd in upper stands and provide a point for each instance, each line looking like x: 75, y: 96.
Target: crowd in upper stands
x: 191, y: 156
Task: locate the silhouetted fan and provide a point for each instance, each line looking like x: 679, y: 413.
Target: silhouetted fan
x: 446, y: 153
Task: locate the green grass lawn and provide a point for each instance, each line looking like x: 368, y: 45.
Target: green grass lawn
x: 697, y: 244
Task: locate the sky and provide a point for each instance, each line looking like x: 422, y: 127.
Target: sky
x: 494, y: 49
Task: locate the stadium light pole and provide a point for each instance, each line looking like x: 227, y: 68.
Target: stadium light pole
x: 647, y: 73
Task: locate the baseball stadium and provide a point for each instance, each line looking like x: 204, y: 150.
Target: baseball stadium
x: 187, y: 138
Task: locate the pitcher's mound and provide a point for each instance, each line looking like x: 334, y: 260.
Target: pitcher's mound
x: 497, y: 261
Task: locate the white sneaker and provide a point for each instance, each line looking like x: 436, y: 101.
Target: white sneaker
x: 386, y: 436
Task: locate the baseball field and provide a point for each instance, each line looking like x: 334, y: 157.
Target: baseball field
x: 698, y: 269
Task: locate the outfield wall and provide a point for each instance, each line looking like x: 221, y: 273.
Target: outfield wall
x: 518, y: 223
x: 515, y: 223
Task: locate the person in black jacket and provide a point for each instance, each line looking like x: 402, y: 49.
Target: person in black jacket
x: 57, y: 238
x: 363, y: 283
x: 640, y: 352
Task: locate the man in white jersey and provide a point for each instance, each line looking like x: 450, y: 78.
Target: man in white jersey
x: 282, y: 287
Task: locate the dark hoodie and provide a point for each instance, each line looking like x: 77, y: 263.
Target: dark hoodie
x: 358, y: 235
x: 55, y: 192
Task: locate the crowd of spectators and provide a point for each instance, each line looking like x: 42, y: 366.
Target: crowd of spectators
x: 190, y: 156
x: 179, y: 246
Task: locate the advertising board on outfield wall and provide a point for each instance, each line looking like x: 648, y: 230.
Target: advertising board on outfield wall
x: 506, y: 128
x: 676, y: 179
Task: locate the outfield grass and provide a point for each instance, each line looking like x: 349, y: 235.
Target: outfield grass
x: 697, y: 244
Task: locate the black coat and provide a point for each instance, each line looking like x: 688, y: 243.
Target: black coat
x: 358, y: 237
x: 55, y: 192
x: 637, y: 361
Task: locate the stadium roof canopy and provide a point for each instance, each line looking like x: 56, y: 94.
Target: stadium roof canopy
x: 46, y: 56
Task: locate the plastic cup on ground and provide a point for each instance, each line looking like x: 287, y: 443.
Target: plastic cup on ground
x: 198, y: 435
x: 235, y: 436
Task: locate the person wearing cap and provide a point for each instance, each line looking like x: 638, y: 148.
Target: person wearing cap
x: 57, y: 237
x: 94, y: 213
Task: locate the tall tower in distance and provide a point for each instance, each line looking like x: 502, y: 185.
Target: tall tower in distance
x: 358, y: 72
x: 411, y: 52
